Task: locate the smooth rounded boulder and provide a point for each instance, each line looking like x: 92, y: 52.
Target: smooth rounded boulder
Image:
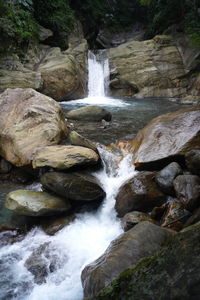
x: 73, y: 186
x: 133, y: 218
x: 64, y: 157
x: 33, y: 203
x: 28, y: 120
x: 89, y: 113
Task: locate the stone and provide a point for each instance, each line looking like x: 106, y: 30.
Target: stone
x: 133, y: 218
x: 192, y: 159
x: 79, y: 140
x: 150, y: 68
x: 187, y: 188
x: 140, y: 193
x: 166, y: 176
x: 5, y: 166
x: 61, y: 76
x: 32, y: 203
x: 44, y: 33
x: 172, y: 273
x: 52, y: 225
x: 142, y: 240
x: 166, y: 137
x: 89, y: 113
x: 73, y: 186
x: 64, y: 157
x: 28, y: 121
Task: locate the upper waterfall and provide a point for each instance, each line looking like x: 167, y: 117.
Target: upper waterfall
x: 98, y: 73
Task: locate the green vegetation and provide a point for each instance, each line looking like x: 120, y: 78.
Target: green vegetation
x: 19, y: 19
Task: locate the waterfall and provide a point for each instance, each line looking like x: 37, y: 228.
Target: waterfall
x: 98, y: 73
x: 71, y: 249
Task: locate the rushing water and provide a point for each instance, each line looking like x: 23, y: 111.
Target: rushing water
x: 71, y: 249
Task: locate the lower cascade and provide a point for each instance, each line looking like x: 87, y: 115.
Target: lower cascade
x: 63, y: 256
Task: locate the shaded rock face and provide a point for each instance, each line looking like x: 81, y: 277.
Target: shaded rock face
x: 53, y: 224
x: 193, y: 161
x: 133, y: 218
x: 32, y: 203
x: 173, y: 273
x: 154, y: 68
x: 187, y: 188
x: 169, y: 135
x: 65, y: 157
x: 141, y: 241
x: 28, y: 120
x: 139, y: 193
x: 165, y: 177
x: 73, y: 186
x: 89, y: 113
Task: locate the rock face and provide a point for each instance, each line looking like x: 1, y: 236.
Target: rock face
x: 187, y: 188
x: 165, y: 177
x: 193, y: 161
x: 139, y: 193
x: 32, y: 203
x: 173, y: 273
x: 133, y: 218
x: 64, y: 157
x: 89, y: 113
x: 79, y: 140
x: 152, y: 68
x: 28, y: 120
x: 166, y: 136
x: 141, y: 241
x: 73, y: 186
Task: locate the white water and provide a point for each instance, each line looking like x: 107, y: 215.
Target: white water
x: 98, y: 82
x: 71, y: 249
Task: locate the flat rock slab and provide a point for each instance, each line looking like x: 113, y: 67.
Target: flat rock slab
x: 32, y: 203
x: 64, y: 157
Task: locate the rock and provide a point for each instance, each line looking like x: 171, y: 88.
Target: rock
x: 192, y: 159
x: 187, y: 188
x: 166, y: 137
x: 61, y: 76
x: 165, y: 177
x: 194, y: 218
x: 5, y: 166
x: 139, y: 193
x: 172, y: 273
x: 51, y: 225
x: 89, y: 113
x: 65, y: 157
x: 79, y: 140
x: 142, y: 240
x: 73, y: 186
x: 174, y: 216
x: 44, y: 33
x: 32, y: 203
x: 28, y: 120
x: 133, y: 218
x: 154, y: 68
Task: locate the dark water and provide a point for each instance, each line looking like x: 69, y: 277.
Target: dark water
x: 126, y: 120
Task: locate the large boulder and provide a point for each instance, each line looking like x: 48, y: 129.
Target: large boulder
x: 192, y: 159
x: 79, y: 140
x: 73, y: 186
x: 151, y: 68
x: 187, y: 188
x: 142, y: 240
x: 167, y: 136
x: 140, y: 193
x: 32, y: 203
x: 89, y: 113
x: 133, y: 218
x: 64, y: 157
x: 173, y: 273
x: 28, y: 120
x: 61, y: 76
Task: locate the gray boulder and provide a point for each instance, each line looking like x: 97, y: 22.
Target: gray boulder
x: 89, y: 113
x: 192, y: 159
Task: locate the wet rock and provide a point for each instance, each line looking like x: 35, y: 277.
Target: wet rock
x: 89, y: 113
x: 142, y: 240
x: 139, y: 193
x: 5, y: 166
x: 32, y: 203
x: 133, y: 218
x: 51, y: 225
x: 28, y: 120
x: 73, y: 186
x: 65, y: 157
x: 192, y: 159
x: 167, y: 136
x: 194, y: 218
x: 187, y: 188
x: 79, y: 140
x: 173, y: 273
x: 10, y: 234
x: 165, y: 177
